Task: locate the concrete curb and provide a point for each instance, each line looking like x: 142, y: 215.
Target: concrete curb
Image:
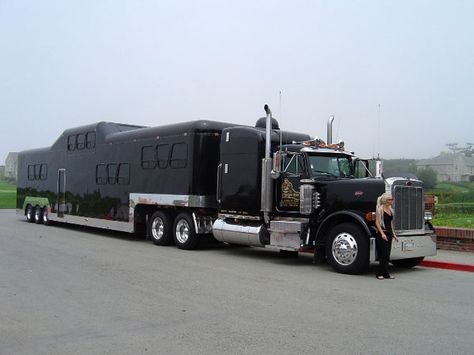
x: 447, y: 265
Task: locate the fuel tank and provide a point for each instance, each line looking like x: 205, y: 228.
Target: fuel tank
x: 251, y: 233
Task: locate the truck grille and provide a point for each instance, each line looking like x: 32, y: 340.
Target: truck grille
x: 409, y: 213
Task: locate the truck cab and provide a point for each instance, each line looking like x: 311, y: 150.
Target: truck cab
x: 313, y: 196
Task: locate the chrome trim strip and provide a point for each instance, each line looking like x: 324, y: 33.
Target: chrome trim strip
x: 197, y: 201
x: 372, y: 249
x: 93, y: 222
x: 239, y: 216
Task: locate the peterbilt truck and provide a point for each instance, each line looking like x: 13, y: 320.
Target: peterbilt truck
x: 256, y: 186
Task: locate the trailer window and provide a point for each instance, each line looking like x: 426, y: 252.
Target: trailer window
x: 123, y: 175
x: 31, y: 172
x: 163, y: 155
x: 71, y: 142
x: 148, y: 157
x: 43, y: 172
x: 37, y: 171
x: 112, y: 173
x: 81, y: 141
x: 101, y: 174
x: 90, y: 140
x: 179, y: 155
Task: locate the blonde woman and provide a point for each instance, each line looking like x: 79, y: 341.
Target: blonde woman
x: 386, y: 232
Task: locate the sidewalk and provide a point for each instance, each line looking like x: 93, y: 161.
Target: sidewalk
x: 452, y: 260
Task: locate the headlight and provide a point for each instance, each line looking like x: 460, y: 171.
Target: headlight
x: 428, y: 216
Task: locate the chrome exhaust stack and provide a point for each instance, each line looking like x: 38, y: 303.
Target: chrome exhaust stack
x: 266, y: 200
x: 329, y: 130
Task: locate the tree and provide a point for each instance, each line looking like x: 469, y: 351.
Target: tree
x: 429, y: 177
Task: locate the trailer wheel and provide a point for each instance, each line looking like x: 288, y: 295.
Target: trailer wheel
x: 185, y: 236
x: 347, y: 249
x: 159, y: 228
x: 407, y: 263
x: 44, y: 213
x: 38, y: 215
x: 30, y: 213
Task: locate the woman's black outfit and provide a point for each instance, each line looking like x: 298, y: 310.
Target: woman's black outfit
x: 384, y: 246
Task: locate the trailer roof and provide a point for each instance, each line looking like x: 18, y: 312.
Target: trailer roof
x: 177, y: 129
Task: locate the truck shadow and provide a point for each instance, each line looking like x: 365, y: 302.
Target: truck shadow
x: 268, y: 254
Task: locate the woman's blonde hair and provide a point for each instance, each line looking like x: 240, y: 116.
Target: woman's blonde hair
x: 381, y: 200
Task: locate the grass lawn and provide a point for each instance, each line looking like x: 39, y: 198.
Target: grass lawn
x: 7, y: 194
x: 456, y: 220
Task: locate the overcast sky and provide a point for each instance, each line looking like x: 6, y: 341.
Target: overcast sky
x: 67, y: 63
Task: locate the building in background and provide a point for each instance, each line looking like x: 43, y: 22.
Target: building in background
x: 453, y: 166
x: 11, y: 165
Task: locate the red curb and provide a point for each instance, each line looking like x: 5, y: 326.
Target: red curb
x: 446, y: 265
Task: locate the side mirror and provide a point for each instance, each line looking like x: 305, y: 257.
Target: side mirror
x: 277, y: 161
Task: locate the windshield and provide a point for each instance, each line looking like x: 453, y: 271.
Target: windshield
x: 324, y: 165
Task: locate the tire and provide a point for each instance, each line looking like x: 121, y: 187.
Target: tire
x: 184, y: 234
x: 30, y: 213
x: 45, y: 216
x: 407, y: 263
x: 38, y: 215
x: 347, y: 249
x: 159, y: 228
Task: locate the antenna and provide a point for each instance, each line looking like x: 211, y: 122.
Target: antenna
x: 378, y: 134
x: 281, y: 120
x: 453, y: 147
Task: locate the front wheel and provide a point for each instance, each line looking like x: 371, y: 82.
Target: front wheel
x: 185, y: 236
x: 347, y: 249
x: 407, y: 263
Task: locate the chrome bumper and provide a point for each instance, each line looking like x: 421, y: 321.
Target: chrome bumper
x: 408, y: 247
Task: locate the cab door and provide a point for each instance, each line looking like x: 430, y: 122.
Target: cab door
x: 288, y: 186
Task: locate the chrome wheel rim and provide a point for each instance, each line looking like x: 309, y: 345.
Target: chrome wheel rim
x: 157, y: 228
x: 182, y: 231
x: 45, y: 216
x: 29, y: 214
x: 37, y: 215
x: 344, y: 249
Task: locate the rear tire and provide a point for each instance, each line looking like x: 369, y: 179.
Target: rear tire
x: 347, y: 249
x: 30, y: 213
x: 45, y: 215
x: 407, y: 263
x: 184, y: 235
x: 159, y: 228
x: 38, y: 215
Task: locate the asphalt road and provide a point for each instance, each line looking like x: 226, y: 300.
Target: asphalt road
x: 70, y: 290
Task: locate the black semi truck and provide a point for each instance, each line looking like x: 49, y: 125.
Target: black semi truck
x: 256, y: 186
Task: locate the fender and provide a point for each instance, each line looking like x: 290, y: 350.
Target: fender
x: 360, y: 221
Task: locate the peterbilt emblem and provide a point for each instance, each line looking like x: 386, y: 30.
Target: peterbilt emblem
x: 359, y: 193
x: 289, y: 196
